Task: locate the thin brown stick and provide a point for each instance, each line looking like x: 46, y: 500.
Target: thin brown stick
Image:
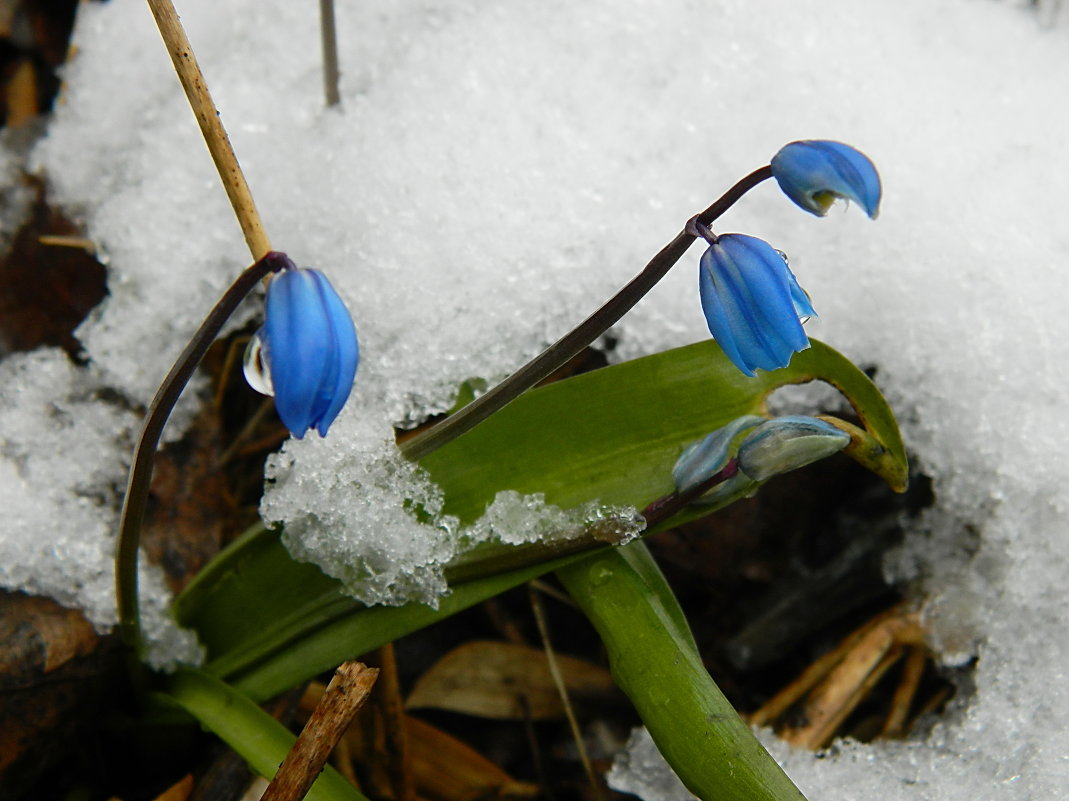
x: 344, y: 696
x: 775, y: 707
x: 558, y: 680
x: 398, y: 757
x: 902, y: 702
x: 211, y: 126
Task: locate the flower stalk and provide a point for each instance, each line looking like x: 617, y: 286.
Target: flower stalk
x: 572, y: 343
x: 137, y: 488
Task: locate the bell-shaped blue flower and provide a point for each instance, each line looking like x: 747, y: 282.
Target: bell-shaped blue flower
x: 752, y: 302
x: 308, y: 351
x: 813, y: 173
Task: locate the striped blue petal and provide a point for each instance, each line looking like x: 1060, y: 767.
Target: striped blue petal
x: 813, y: 173
x: 752, y: 303
x: 310, y: 349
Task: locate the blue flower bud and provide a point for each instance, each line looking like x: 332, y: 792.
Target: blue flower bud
x: 815, y: 172
x: 752, y: 303
x: 787, y: 443
x: 307, y: 350
x: 703, y: 459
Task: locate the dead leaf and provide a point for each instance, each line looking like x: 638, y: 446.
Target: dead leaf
x: 505, y: 682
x: 53, y: 677
x: 46, y: 291
x: 188, y: 505
x: 179, y: 791
x: 445, y: 769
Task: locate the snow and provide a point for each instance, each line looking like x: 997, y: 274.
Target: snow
x: 62, y: 472
x: 497, y: 170
x: 15, y: 195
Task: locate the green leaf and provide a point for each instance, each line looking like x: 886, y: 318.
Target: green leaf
x: 655, y: 661
x: 260, y: 739
x: 610, y: 435
x: 614, y: 434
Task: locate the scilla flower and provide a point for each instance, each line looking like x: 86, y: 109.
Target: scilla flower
x: 815, y: 172
x: 752, y: 301
x: 306, y: 352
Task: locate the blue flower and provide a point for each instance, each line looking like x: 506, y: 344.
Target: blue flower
x: 752, y: 302
x: 307, y: 350
x: 815, y: 172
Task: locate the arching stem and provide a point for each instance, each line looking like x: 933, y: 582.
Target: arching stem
x: 579, y: 337
x: 137, y: 488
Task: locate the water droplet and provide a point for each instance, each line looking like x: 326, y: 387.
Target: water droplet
x: 257, y: 373
x: 600, y: 575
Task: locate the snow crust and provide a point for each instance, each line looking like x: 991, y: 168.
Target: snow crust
x: 63, y: 465
x: 496, y: 171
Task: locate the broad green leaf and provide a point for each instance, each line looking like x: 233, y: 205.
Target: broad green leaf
x: 610, y: 435
x: 614, y: 434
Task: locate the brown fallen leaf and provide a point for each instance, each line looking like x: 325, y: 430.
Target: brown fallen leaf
x: 53, y: 677
x: 505, y: 681
x: 46, y: 291
x: 179, y: 791
x: 188, y: 507
x: 445, y: 769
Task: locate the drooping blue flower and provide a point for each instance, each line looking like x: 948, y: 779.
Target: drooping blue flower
x: 814, y: 172
x: 752, y: 302
x: 308, y: 351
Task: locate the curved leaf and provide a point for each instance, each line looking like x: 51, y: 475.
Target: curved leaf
x: 655, y: 661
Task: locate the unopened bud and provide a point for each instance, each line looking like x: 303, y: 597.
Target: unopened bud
x: 787, y: 443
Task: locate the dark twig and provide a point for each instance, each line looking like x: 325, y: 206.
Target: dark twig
x: 133, y: 509
x: 329, y: 34
x: 578, y: 338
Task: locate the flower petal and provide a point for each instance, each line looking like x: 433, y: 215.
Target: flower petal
x: 310, y: 348
x: 814, y: 172
x: 750, y: 303
x: 346, y: 357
